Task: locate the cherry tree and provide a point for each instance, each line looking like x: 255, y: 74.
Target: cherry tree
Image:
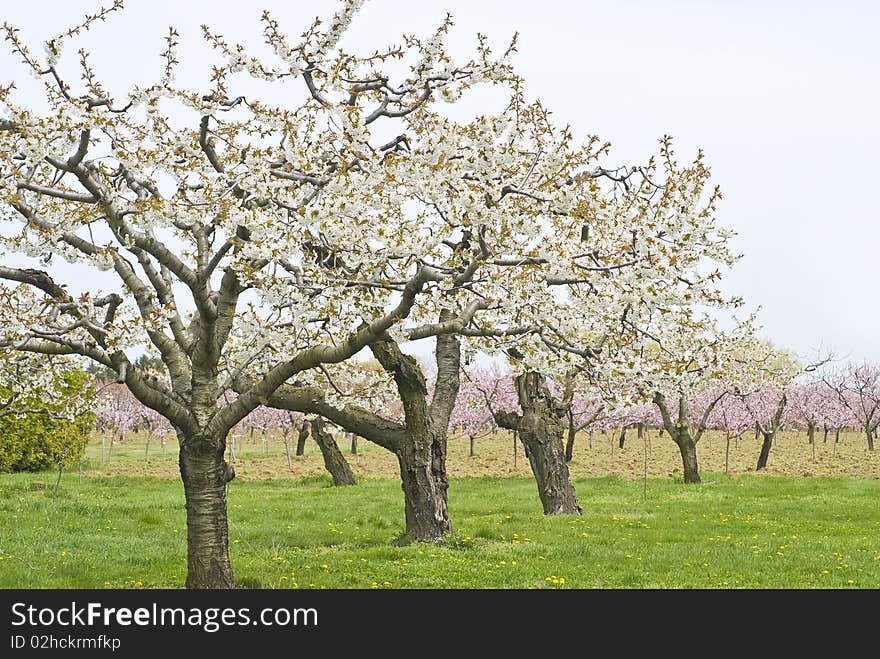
x: 857, y: 387
x: 471, y: 416
x: 679, y: 362
x: 248, y: 240
x: 731, y: 417
x: 762, y: 382
x: 649, y: 251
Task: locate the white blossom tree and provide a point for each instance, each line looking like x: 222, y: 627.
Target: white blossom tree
x: 247, y: 241
x: 650, y: 253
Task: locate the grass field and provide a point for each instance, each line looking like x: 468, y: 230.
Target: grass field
x: 730, y: 532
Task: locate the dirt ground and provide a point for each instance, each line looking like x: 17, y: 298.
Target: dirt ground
x: 265, y: 458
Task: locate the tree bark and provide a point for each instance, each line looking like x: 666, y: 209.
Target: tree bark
x: 541, y: 429
x: 765, y: 450
x: 302, y: 437
x: 569, y: 442
x: 424, y: 483
x: 869, y: 432
x: 688, y: 450
x: 471, y: 448
x: 354, y: 443
x: 334, y: 461
x: 205, y: 474
x: 622, y: 439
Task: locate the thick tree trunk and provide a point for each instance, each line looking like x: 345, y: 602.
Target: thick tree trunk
x: 688, y: 450
x: 302, y: 437
x: 825, y: 429
x: 334, y: 461
x: 640, y: 428
x: 811, y: 433
x: 540, y: 430
x: 622, y: 439
x: 869, y: 432
x: 765, y: 450
x: 422, y: 463
x: 205, y: 474
x: 471, y: 448
x: 354, y: 443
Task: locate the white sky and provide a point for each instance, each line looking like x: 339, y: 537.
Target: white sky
x: 783, y: 96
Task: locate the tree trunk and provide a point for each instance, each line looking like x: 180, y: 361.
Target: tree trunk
x: 569, y: 442
x: 825, y: 438
x: 205, y: 474
x: 727, y: 452
x: 811, y: 433
x: 287, y: 452
x: 688, y: 450
x: 622, y: 438
x: 422, y: 463
x: 590, y: 440
x: 870, y: 434
x: 303, y: 436
x: 471, y: 438
x: 540, y: 430
x: 640, y: 428
x: 334, y: 461
x: 765, y: 450
x: 354, y: 443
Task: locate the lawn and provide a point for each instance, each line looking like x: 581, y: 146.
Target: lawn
x: 741, y: 531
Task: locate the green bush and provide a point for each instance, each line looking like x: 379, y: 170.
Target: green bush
x: 39, y: 440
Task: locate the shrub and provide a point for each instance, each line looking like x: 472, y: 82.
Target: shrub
x: 38, y: 440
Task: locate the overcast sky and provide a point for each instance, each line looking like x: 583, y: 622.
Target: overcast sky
x: 783, y: 96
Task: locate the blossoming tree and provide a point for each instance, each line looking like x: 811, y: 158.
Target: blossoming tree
x: 236, y: 235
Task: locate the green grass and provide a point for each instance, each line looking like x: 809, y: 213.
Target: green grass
x: 742, y: 531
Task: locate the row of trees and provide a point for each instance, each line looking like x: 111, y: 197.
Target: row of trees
x: 816, y: 404
x: 257, y: 233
